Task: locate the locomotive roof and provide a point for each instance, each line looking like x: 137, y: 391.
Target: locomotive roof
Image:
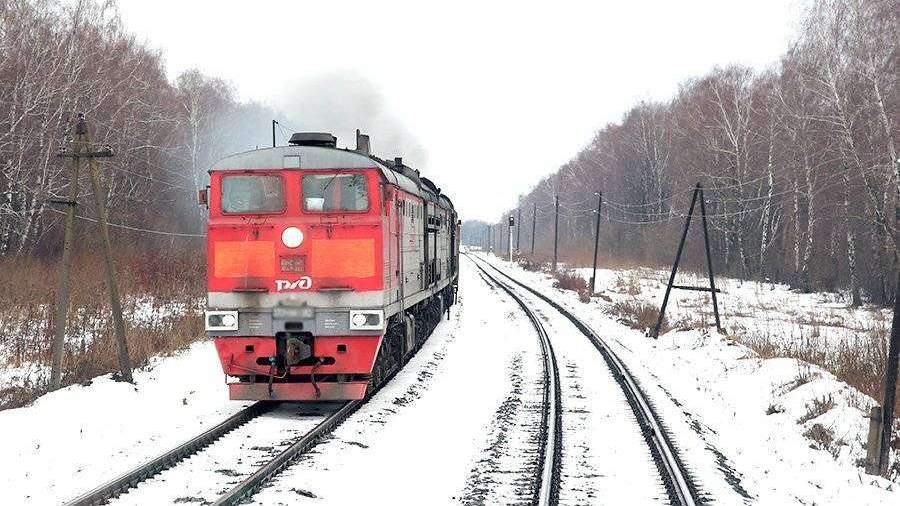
x: 318, y: 157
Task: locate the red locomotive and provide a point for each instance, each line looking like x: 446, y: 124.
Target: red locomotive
x: 327, y: 267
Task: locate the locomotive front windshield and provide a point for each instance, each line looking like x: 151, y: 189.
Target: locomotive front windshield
x: 335, y: 192
x: 252, y: 194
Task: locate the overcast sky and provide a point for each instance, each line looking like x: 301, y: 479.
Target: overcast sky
x: 484, y: 97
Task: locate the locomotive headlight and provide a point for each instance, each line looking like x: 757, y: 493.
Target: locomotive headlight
x: 292, y: 237
x: 221, y: 320
x: 229, y: 320
x: 369, y: 319
x: 359, y: 320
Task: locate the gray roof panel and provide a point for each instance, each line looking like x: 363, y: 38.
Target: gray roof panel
x: 315, y: 158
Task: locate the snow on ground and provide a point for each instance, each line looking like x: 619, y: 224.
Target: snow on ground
x: 206, y: 475
x: 24, y: 374
x: 23, y: 334
x: 765, y: 421
x: 448, y: 429
x: 452, y: 426
x: 76, y: 438
x: 605, y: 459
x: 456, y: 425
x: 148, y: 310
x: 767, y: 312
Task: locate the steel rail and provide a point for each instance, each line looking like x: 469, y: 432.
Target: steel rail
x: 547, y: 492
x: 679, y: 485
x: 120, y: 485
x: 252, y: 483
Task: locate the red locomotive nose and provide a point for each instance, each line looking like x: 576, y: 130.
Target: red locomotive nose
x: 347, y: 359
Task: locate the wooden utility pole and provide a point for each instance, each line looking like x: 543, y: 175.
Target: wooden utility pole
x: 62, y: 295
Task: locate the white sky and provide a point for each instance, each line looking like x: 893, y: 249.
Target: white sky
x: 496, y: 94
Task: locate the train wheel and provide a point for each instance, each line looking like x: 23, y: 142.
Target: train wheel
x: 389, y: 357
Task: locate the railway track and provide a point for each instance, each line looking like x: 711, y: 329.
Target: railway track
x: 251, y: 484
x: 679, y: 485
x: 145, y: 475
x: 132, y: 478
x: 546, y: 491
x: 676, y: 480
x: 252, y: 481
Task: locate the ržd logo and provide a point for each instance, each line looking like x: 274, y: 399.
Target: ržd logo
x: 304, y: 283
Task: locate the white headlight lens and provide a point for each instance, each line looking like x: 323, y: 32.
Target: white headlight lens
x: 366, y: 319
x: 221, y: 320
x: 359, y: 319
x: 292, y: 237
x: 229, y: 320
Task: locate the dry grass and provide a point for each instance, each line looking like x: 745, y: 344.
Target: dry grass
x: 821, y: 436
x: 859, y: 361
x: 638, y: 315
x: 818, y: 408
x: 160, y: 293
x: 628, y: 284
x: 532, y: 265
x: 569, y: 280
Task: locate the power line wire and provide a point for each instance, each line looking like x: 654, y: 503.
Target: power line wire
x: 129, y: 227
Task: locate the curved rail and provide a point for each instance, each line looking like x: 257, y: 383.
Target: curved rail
x: 150, y: 469
x: 680, y: 486
x: 547, y: 492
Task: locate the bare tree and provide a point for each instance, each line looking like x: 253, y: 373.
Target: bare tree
x: 771, y: 148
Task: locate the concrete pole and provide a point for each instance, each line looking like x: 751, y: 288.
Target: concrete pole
x: 890, y: 386
x: 115, y: 303
x: 509, y: 241
x: 519, y: 232
x: 62, y: 295
x: 533, y: 224
x: 596, y: 241
x: 556, y: 234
